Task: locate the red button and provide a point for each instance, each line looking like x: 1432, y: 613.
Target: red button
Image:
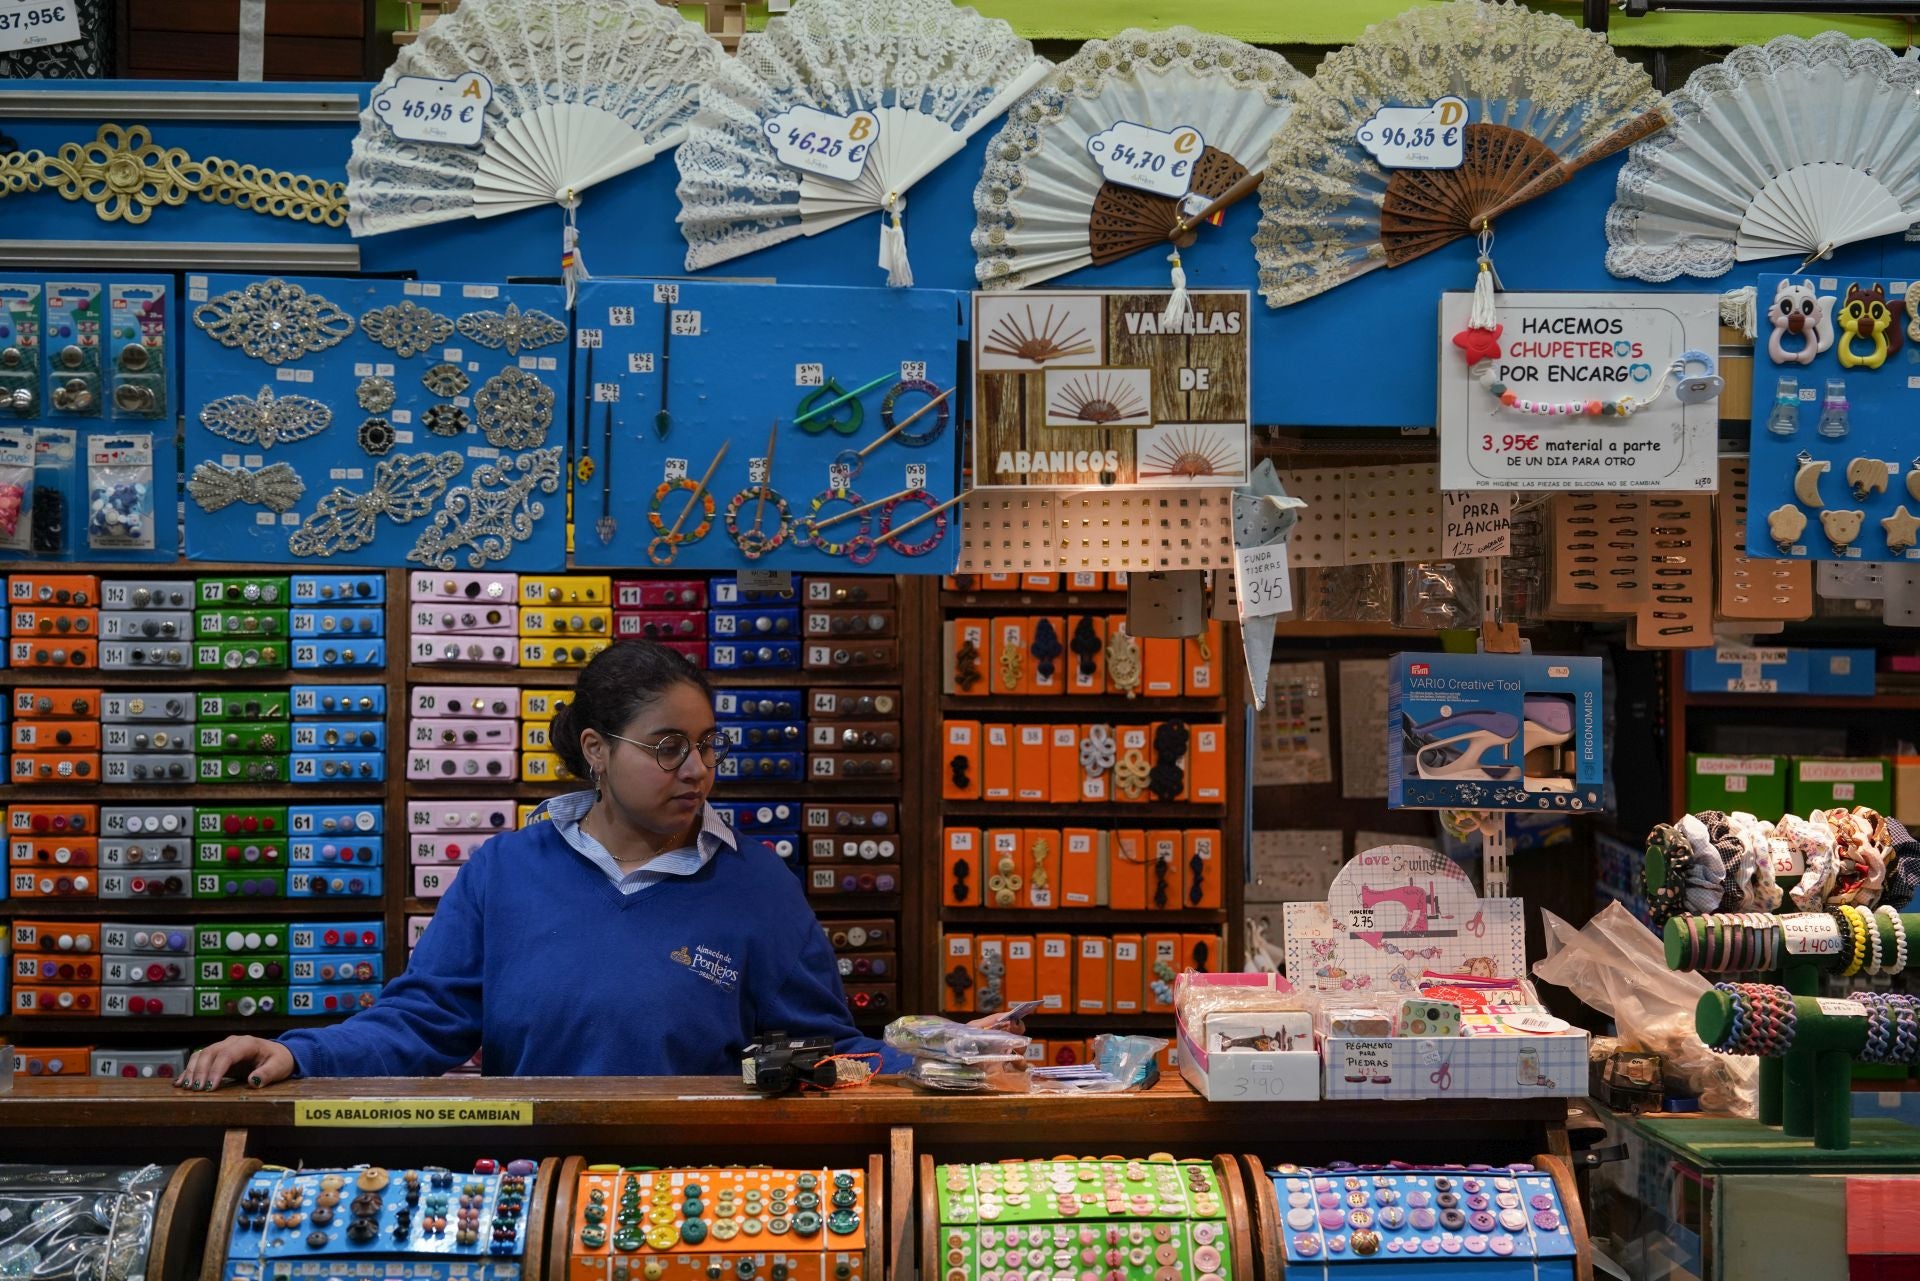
x: 129, y: 1070
x: 366, y: 938
x: 249, y: 824
x: 41, y: 822
x: 330, y: 938
x: 231, y: 824
x: 155, y: 973
x: 333, y: 1002
x: 236, y: 972
x: 136, y: 1005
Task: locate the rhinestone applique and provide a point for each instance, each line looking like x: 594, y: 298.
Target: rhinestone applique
x: 446, y: 420
x: 512, y: 329
x: 376, y: 436
x: 406, y: 328
x: 515, y: 409
x: 446, y: 380
x: 404, y: 490
x: 375, y: 394
x: 489, y: 521
x: 274, y: 321
x: 265, y: 420
x: 277, y: 486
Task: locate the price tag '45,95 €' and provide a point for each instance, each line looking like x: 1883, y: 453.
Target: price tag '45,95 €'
x: 453, y: 112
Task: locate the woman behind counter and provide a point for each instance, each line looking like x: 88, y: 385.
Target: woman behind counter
x: 624, y: 931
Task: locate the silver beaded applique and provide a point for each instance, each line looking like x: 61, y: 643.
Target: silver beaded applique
x: 446, y: 380
x: 404, y: 490
x: 274, y: 321
x: 406, y: 328
x: 492, y: 513
x: 446, y: 420
x: 512, y: 329
x: 277, y: 486
x: 376, y: 436
x: 515, y: 409
x: 375, y: 394
x: 265, y: 420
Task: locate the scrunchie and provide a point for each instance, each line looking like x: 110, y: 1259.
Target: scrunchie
x: 1757, y: 835
x: 1903, y: 866
x: 1665, y: 844
x: 1737, y: 893
x: 1812, y: 842
x: 1706, y: 870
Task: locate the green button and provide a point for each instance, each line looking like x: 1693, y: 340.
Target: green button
x: 806, y: 1182
x: 779, y: 1227
x: 844, y: 1179
x: 693, y: 1232
x: 806, y: 1223
x: 845, y: 1198
x: 593, y: 1237
x: 743, y: 1268
x: 843, y: 1223
x: 807, y: 1201
x: 596, y: 1213
x: 693, y: 1208
x: 628, y: 1240
x: 691, y: 1190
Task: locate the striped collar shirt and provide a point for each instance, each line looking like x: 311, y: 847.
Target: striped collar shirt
x: 567, y: 811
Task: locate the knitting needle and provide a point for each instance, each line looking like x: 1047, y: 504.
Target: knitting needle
x: 673, y: 534
x: 851, y: 459
x: 662, y: 419
x: 851, y: 512
x: 766, y: 480
x: 583, y: 469
x: 606, y: 525
x: 922, y: 518
x: 818, y: 410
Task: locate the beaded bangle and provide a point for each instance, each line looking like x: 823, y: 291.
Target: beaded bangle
x: 1899, y: 928
x: 1857, y: 919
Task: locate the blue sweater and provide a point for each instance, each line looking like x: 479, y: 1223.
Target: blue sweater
x: 536, y: 959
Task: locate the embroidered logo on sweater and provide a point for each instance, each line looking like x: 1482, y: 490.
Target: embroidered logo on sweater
x: 715, y: 967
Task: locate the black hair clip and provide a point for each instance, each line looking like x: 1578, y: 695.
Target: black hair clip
x: 1166, y: 779
x: 958, y: 768
x: 1045, y: 649
x: 966, y: 667
x: 1087, y: 644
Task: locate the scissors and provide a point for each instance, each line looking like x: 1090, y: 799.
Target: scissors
x: 1443, y: 1075
x: 1478, y: 925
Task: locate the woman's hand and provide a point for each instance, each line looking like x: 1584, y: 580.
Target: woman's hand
x: 261, y: 1062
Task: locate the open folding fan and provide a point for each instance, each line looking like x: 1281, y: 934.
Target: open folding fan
x: 1794, y: 147
x: 582, y: 90
x: 1044, y: 204
x: 931, y: 74
x: 1544, y: 98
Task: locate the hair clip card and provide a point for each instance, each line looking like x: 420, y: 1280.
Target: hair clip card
x: 403, y: 424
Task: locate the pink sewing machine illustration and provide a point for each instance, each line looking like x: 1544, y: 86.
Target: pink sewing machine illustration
x: 1419, y: 907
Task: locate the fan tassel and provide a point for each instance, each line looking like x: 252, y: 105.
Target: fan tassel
x: 1179, y: 306
x: 573, y: 264
x: 893, y: 242
x: 1483, y: 314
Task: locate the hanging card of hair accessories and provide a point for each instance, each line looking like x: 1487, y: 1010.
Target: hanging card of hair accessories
x: 1431, y: 126
x: 394, y: 424
x: 715, y: 433
x: 1132, y: 144
x: 833, y: 113
x: 1790, y: 149
x: 505, y: 105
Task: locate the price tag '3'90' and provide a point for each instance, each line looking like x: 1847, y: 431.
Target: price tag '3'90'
x: 453, y: 112
x: 820, y: 142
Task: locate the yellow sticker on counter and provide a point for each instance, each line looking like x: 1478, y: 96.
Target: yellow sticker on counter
x: 409, y: 1113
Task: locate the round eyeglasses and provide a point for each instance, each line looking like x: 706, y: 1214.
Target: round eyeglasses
x: 672, y: 750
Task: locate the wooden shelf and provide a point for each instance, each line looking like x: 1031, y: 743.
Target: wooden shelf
x: 1108, y: 705
x: 1148, y: 812
x: 1045, y: 603
x: 740, y: 678
x: 249, y: 678
x: 61, y: 1031
x: 163, y: 910
x: 1040, y: 1022
x: 190, y: 793
x: 1080, y: 916
x: 857, y: 904
x: 1878, y: 703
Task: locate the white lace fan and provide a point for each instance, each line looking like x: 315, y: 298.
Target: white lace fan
x: 1791, y: 148
x: 1544, y: 98
x: 1044, y: 204
x: 582, y: 90
x: 931, y: 73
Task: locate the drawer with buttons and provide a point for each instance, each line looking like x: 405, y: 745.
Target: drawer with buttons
x: 43, y: 623
x: 342, y: 624
x: 239, y: 852
x: 237, y: 655
x: 56, y: 1001
x: 242, y: 593
x: 251, y: 883
x: 146, y: 820
x: 438, y: 848
x: 461, y: 700
x: 133, y: 971
x: 54, y: 589
x: 822, y: 766
x: 333, y: 655
x: 451, y: 651
x: 119, y: 938
x: 53, y: 818
x: 334, y: 883
x: 146, y: 852
x: 660, y: 593
x: 335, y: 851
x: 342, y: 589
x: 56, y: 736
x: 176, y: 707
x: 867, y: 967
x: 872, y: 998
x: 883, y: 847
x: 816, y: 1221
x: 240, y: 820
x: 335, y: 820
x: 753, y: 624
x: 240, y: 624
x: 239, y: 1002
x: 337, y: 767
x: 242, y: 769
x: 219, y: 737
x: 434, y: 882
x: 876, y: 654
x: 145, y: 625
x: 566, y: 621
x: 447, y: 618
x: 132, y: 884
x: 853, y: 623
x: 365, y: 967
x: 232, y: 972
x: 146, y: 656
x: 460, y: 816
x: 851, y: 816
x: 44, y: 968
x: 566, y: 589
x: 853, y: 736
x: 784, y: 844
x: 753, y: 655
x: 63, y: 938
x: 339, y: 700
x: 311, y: 1001
x: 542, y: 704
x: 747, y: 763
x: 726, y: 591
x: 464, y: 731
x: 452, y: 765
x: 753, y: 817
x: 52, y: 883
x: 146, y: 594
x: 660, y: 625
x: 758, y: 704
x: 536, y: 736
x: 336, y: 936
x: 339, y: 736
x: 559, y: 652
x: 226, y: 941
x: 786, y: 736
x: 53, y: 851
x: 544, y: 767
x: 56, y: 704
x: 40, y: 651
x: 27, y: 768
x: 863, y: 935
x: 846, y: 878
x: 140, y: 1064
x: 501, y: 588
x: 848, y: 590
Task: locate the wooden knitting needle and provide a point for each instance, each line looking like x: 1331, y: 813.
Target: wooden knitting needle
x: 851, y: 512
x: 908, y: 421
x: 673, y: 534
x: 922, y: 518
x: 818, y: 410
x: 766, y: 482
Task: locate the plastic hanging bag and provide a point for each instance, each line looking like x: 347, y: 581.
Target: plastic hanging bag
x: 120, y: 493
x: 16, y: 491
x: 928, y: 1036
x: 55, y: 458
x: 78, y: 1223
x: 1619, y: 966
x: 139, y: 356
x: 21, y: 396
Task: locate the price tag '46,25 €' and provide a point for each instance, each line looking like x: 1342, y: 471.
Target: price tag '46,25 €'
x: 820, y: 142
x: 453, y: 112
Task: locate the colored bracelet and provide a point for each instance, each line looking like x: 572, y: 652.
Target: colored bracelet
x: 1860, y: 928
x: 1899, y: 928
x: 1845, y: 924
x: 1906, y: 1029
x: 1880, y: 1022
x: 1876, y: 942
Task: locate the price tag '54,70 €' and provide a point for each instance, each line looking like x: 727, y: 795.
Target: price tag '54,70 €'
x: 453, y: 112
x: 1156, y: 160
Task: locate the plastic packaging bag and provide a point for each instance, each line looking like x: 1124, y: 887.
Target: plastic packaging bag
x: 78, y: 1223
x: 16, y: 490
x: 56, y: 454
x: 969, y: 1078
x: 1120, y: 1063
x: 1619, y: 967
x: 928, y: 1036
x: 120, y: 493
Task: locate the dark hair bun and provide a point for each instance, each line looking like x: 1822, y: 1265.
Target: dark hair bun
x: 613, y: 689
